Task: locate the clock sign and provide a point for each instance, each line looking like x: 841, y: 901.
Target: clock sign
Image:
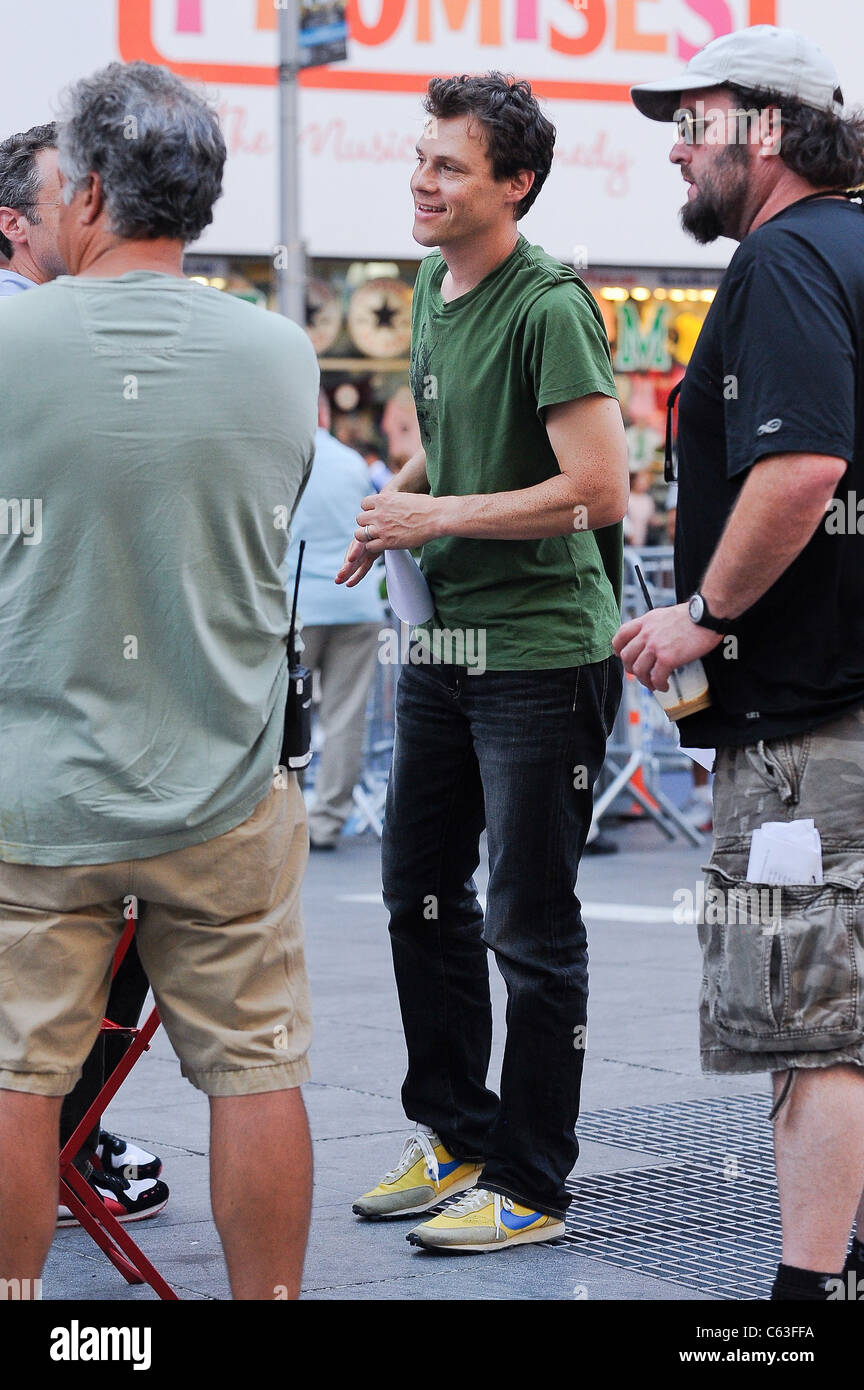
x: 379, y: 318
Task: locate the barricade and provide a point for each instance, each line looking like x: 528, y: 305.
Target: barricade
x: 644, y: 743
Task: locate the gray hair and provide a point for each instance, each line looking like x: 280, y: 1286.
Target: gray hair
x: 20, y: 184
x: 156, y: 145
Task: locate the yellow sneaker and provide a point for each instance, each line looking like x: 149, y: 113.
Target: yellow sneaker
x: 425, y: 1174
x: 485, y: 1221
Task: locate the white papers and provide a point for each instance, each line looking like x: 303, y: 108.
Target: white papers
x: 703, y: 756
x: 785, y: 852
x: 407, y: 591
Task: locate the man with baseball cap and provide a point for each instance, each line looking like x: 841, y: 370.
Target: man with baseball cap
x: 770, y: 574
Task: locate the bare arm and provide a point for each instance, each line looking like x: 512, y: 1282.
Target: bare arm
x: 587, y: 436
x: 411, y: 476
x: 759, y: 543
x: 590, y: 491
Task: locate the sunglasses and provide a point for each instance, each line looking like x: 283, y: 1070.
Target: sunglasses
x: 691, y: 129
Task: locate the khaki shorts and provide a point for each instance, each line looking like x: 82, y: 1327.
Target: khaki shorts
x: 219, y: 933
x: 783, y: 983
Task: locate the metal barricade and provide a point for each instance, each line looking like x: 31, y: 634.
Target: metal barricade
x: 644, y: 743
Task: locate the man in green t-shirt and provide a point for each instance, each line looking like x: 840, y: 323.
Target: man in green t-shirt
x: 516, y: 499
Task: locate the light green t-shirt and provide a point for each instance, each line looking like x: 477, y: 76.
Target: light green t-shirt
x: 483, y: 369
x: 155, y: 437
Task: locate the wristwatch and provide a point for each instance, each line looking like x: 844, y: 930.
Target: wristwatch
x: 702, y: 615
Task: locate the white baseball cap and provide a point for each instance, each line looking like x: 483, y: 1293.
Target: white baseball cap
x: 762, y: 57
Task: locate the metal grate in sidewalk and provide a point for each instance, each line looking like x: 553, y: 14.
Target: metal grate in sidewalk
x: 705, y: 1217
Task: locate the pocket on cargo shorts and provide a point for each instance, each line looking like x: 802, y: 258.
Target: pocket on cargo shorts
x: 783, y: 965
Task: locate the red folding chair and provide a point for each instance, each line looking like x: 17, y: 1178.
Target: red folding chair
x: 76, y: 1192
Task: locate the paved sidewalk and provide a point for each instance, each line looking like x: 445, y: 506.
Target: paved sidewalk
x: 642, y: 1052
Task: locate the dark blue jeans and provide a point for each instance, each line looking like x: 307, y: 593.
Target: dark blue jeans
x: 517, y: 752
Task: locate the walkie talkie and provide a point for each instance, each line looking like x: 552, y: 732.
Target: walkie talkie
x: 297, y: 738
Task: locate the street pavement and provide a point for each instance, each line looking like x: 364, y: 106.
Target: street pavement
x: 642, y: 1051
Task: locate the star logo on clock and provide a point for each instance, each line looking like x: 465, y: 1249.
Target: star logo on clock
x: 379, y: 318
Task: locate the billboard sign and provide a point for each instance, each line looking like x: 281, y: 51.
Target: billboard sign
x: 612, y: 196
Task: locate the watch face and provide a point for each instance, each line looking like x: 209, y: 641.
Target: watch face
x: 697, y: 607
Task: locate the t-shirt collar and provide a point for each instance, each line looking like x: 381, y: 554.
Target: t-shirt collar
x: 454, y: 304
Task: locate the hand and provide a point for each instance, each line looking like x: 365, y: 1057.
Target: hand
x: 398, y: 520
x: 356, y: 565
x: 656, y: 644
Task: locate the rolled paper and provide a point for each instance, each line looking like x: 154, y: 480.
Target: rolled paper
x: 407, y: 591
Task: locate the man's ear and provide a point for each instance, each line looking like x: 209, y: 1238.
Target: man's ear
x: 93, y: 200
x: 521, y: 183
x: 10, y: 226
x: 770, y: 132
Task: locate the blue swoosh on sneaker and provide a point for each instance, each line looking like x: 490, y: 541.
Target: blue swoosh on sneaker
x: 445, y: 1169
x: 518, y: 1223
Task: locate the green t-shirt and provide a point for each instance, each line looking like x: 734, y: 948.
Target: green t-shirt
x: 483, y: 369
x: 155, y: 436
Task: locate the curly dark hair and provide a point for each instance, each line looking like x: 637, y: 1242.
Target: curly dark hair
x: 518, y: 135
x: 823, y: 147
x: 19, y: 173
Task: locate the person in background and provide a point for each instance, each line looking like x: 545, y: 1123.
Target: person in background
x: 379, y: 474
x: 671, y: 514
x: 400, y: 428
x: 340, y: 628
x: 123, y: 1175
x: 641, y: 510
x: 29, y: 203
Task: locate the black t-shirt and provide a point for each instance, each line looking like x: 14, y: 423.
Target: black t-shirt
x: 779, y: 368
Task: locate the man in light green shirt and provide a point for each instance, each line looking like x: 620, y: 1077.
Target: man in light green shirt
x: 156, y: 437
x: 123, y: 1175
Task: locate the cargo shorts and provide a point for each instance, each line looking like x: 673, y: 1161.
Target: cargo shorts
x: 783, y: 981
x: 219, y: 933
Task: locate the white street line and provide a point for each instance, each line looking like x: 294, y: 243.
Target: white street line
x: 601, y: 912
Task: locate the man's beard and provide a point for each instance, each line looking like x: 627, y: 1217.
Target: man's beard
x: 718, y: 208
